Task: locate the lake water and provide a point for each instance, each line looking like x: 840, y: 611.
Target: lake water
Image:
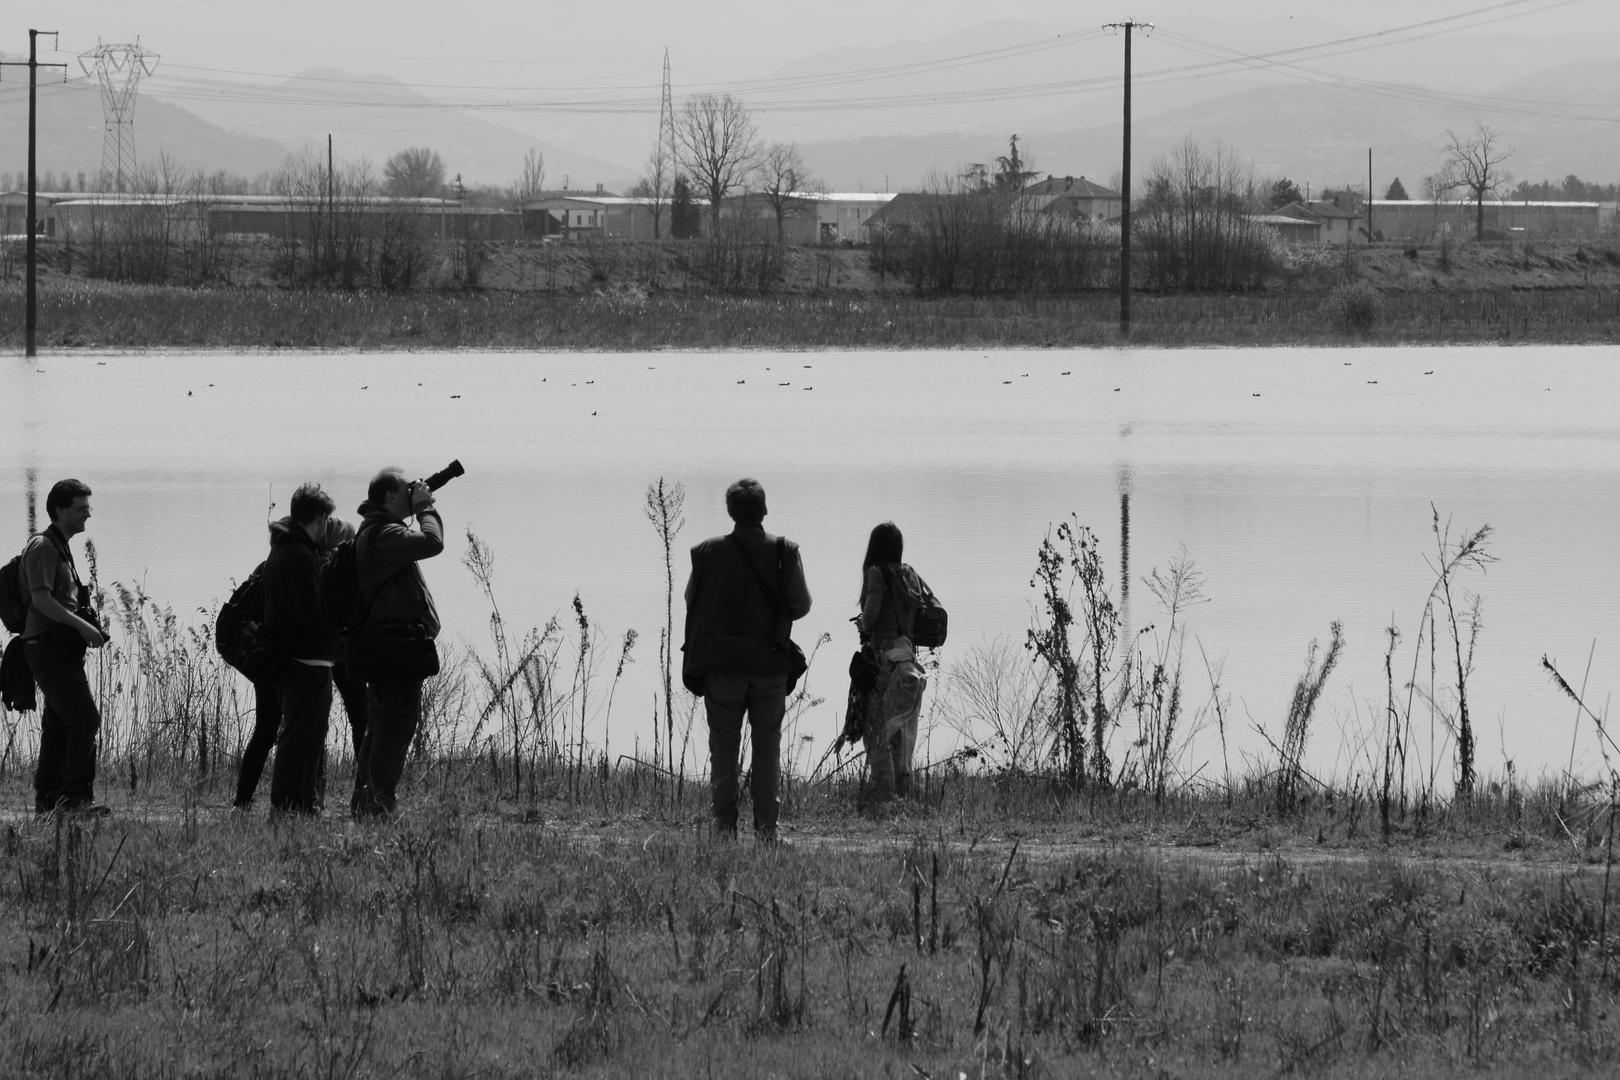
x: 1299, y: 482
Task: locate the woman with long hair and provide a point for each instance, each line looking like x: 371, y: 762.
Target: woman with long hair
x: 889, y: 601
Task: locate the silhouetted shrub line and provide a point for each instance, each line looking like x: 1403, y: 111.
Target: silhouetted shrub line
x: 632, y: 316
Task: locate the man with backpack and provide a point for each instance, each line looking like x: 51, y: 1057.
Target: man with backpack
x: 739, y: 616
x: 58, y: 628
x: 394, y: 627
x: 305, y: 645
x: 238, y: 634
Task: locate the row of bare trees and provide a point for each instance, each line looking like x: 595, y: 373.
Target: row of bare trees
x: 717, y: 151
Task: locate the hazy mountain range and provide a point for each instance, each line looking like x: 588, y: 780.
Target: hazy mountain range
x: 1315, y: 128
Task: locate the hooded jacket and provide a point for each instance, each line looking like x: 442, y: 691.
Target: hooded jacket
x: 292, y: 610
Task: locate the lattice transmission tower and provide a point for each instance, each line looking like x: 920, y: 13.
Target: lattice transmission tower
x: 666, y: 128
x: 119, y: 69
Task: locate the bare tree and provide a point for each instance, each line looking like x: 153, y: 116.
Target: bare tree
x: 783, y: 178
x: 718, y: 146
x: 653, y: 187
x: 415, y: 171
x: 1474, y: 165
x: 530, y: 183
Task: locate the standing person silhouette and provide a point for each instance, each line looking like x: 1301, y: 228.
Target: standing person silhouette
x: 889, y: 592
x: 745, y: 591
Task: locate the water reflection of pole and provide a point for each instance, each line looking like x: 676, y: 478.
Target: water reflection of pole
x: 1125, y: 553
x: 31, y: 488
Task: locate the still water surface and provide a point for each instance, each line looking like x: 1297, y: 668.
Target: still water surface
x: 1299, y: 482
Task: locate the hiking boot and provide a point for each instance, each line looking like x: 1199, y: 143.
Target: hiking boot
x: 87, y: 808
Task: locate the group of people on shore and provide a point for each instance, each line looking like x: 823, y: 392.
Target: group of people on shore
x: 374, y: 649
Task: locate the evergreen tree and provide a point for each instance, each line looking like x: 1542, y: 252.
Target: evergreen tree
x: 1285, y: 191
x: 685, y: 219
x: 1396, y: 191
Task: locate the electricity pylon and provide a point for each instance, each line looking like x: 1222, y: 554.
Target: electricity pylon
x: 666, y: 125
x: 119, y: 69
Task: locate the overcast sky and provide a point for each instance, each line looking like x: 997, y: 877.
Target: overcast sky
x: 519, y: 60
x: 519, y: 44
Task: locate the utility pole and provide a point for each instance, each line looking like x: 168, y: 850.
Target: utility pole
x: 1125, y: 183
x: 1369, y: 195
x: 331, y: 212
x: 33, y: 219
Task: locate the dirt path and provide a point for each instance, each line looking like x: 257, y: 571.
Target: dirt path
x: 867, y: 841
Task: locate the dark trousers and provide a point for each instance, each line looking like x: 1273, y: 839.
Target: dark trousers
x: 66, y: 773
x: 395, y: 710
x: 267, y: 722
x: 298, y: 777
x: 727, y: 697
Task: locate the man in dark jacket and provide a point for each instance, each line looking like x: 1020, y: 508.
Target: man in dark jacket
x: 308, y: 646
x: 397, y: 605
x: 736, y: 637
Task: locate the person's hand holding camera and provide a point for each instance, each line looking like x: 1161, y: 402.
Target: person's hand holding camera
x: 421, y: 497
x: 92, y: 635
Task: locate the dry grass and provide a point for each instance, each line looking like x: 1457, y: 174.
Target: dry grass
x: 629, y: 316
x: 476, y: 937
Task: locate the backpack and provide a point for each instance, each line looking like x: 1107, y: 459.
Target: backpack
x: 13, y: 604
x: 339, y: 585
x: 13, y: 601
x: 239, y: 625
x: 930, y: 623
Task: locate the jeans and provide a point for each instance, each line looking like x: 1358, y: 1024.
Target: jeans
x: 66, y: 773
x: 727, y: 696
x: 893, y: 708
x: 297, y: 780
x: 395, y: 710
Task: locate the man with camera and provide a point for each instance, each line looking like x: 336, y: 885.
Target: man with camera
x: 59, y: 628
x: 306, y: 645
x: 394, y: 627
x: 738, y: 651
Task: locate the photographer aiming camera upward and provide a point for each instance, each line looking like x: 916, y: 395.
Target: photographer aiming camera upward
x: 395, y: 626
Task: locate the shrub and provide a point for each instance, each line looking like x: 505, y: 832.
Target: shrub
x: 1355, y: 308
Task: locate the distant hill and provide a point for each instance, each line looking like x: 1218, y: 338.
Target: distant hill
x: 1310, y: 132
x: 69, y: 134
x: 375, y: 116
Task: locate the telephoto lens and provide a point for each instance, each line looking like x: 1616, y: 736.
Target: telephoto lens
x: 445, y: 475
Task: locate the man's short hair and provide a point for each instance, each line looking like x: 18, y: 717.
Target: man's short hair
x: 310, y: 502
x: 384, y: 484
x: 62, y: 494
x: 745, y: 501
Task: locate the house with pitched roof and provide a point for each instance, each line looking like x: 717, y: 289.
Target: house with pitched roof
x: 1075, y: 195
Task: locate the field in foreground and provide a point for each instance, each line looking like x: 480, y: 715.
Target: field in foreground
x: 592, y: 928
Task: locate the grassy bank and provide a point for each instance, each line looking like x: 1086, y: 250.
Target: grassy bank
x: 490, y: 938
x: 544, y: 907
x: 80, y: 315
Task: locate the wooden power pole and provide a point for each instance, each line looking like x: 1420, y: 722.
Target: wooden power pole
x: 1125, y: 183
x: 33, y: 66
